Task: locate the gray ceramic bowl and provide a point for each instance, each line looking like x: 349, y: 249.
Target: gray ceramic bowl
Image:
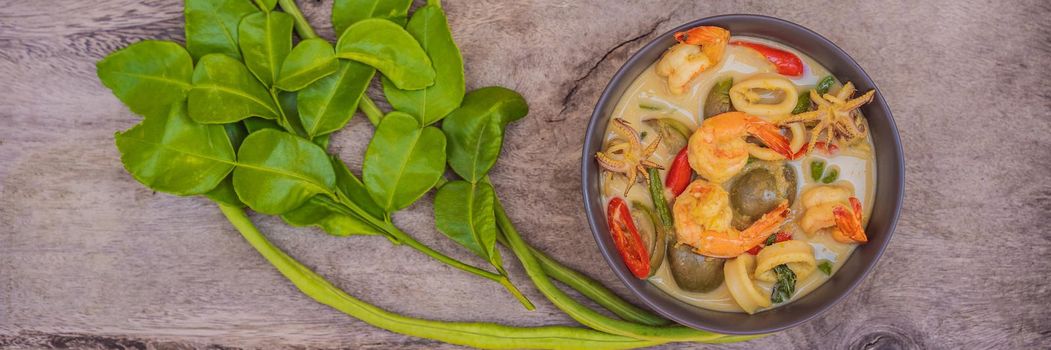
x: 890, y: 180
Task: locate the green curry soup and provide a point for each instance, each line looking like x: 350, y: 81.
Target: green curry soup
x: 818, y: 183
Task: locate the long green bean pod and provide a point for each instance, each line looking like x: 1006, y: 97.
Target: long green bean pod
x: 660, y: 205
x: 582, y: 313
x: 483, y: 335
x: 592, y: 289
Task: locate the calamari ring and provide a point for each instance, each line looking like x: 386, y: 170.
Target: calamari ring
x: 746, y: 100
x: 798, y: 255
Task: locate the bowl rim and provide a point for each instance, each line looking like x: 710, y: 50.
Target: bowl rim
x: 595, y: 215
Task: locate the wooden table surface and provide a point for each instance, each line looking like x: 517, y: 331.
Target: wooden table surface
x: 90, y: 258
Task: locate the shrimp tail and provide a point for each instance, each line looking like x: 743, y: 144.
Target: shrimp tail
x: 772, y: 137
x: 849, y: 221
x: 712, y: 39
x: 767, y: 224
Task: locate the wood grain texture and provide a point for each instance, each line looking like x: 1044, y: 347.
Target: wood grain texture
x: 91, y: 259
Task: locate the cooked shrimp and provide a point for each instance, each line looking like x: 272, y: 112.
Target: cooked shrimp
x: 718, y: 150
x: 703, y: 220
x: 712, y: 40
x: 833, y: 206
x: 848, y: 223
x: 698, y: 49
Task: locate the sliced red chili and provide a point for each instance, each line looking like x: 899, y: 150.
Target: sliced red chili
x: 786, y: 62
x: 627, y: 238
x: 679, y: 173
x: 779, y: 237
x: 755, y: 250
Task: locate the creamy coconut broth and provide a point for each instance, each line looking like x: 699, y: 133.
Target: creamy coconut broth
x: 812, y: 249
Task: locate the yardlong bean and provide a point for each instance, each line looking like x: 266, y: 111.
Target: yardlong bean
x: 582, y: 313
x: 485, y: 335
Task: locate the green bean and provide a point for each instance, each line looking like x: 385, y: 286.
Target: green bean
x: 678, y: 126
x: 485, y: 335
x: 649, y: 106
x: 581, y: 313
x: 660, y: 204
x: 592, y: 289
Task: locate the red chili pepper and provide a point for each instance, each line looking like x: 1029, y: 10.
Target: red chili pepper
x: 755, y: 250
x: 779, y: 237
x: 786, y: 62
x: 827, y: 148
x: 627, y: 238
x: 679, y: 173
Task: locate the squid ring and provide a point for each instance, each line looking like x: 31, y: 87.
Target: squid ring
x: 745, y: 99
x: 738, y: 273
x: 798, y: 255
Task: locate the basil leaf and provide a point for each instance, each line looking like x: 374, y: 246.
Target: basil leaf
x: 476, y: 129
x: 173, y: 154
x: 785, y: 286
x: 310, y: 60
x: 320, y: 211
x: 464, y: 212
x: 403, y: 161
x: 278, y: 171
x: 347, y: 12
x: 265, y: 39
x: 211, y: 26
x: 148, y: 76
x: 224, y: 92
x: 430, y: 28
x: 387, y: 47
x: 328, y: 104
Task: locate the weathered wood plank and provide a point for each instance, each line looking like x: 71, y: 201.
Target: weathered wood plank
x: 91, y: 259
